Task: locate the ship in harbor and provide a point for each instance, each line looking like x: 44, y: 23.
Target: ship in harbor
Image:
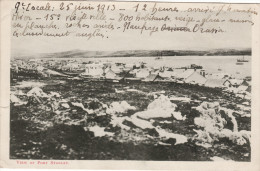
x: 241, y: 61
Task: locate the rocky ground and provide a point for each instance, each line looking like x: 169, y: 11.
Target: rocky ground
x: 52, y: 119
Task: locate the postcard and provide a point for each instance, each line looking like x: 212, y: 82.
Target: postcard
x: 130, y: 85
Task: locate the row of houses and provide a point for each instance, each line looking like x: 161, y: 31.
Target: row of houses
x: 189, y: 76
x: 134, y: 72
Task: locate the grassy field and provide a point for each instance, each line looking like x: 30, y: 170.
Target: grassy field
x: 37, y: 132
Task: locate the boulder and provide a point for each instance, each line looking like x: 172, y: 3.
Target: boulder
x: 36, y: 91
x: 160, y: 108
x: 119, y: 107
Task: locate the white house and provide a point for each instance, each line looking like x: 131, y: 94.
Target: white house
x: 110, y: 74
x: 142, y: 73
x: 166, y: 74
x: 117, y: 69
x: 217, y: 83
x: 218, y: 75
x: 93, y: 70
x: 192, y: 77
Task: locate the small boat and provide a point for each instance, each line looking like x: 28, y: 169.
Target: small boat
x: 242, y: 60
x: 239, y: 63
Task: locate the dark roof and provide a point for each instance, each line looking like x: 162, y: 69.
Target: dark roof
x: 245, y: 83
x: 248, y: 89
x: 153, y: 77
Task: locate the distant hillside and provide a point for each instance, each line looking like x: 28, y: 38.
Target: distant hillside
x: 141, y: 53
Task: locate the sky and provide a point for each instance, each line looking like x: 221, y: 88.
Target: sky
x: 236, y: 36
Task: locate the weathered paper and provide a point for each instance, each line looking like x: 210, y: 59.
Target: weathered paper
x: 129, y: 85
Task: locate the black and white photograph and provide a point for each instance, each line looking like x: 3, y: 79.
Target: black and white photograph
x: 137, y: 81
